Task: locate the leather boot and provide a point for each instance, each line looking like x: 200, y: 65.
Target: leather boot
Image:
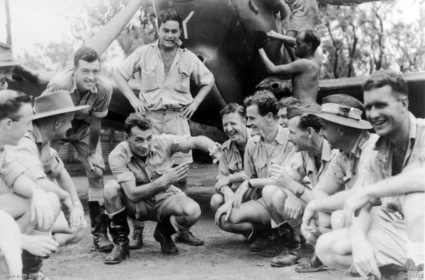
x: 162, y: 234
x: 119, y: 230
x: 99, y: 227
x: 31, y: 267
x: 137, y: 241
x: 259, y: 237
x: 187, y: 237
x: 283, y: 237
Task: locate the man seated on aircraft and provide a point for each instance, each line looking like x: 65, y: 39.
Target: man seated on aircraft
x: 166, y: 71
x: 287, y: 198
x: 54, y: 113
x: 230, y: 170
x: 245, y: 212
x: 33, y: 209
x: 393, y: 232
x: 344, y: 130
x: 144, y: 185
x: 283, y: 111
x: 305, y: 71
x: 304, y: 15
x: 88, y: 87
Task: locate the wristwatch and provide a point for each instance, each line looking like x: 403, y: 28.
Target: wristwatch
x: 299, y: 192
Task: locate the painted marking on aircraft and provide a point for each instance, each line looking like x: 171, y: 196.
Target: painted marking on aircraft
x: 185, y: 22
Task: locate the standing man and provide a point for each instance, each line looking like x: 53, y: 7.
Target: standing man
x: 393, y: 232
x: 88, y: 87
x: 166, y: 71
x: 305, y: 71
x: 7, y: 63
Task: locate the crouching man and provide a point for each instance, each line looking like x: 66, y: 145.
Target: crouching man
x: 144, y: 189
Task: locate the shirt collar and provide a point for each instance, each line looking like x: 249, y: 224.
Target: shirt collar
x: 326, y: 151
x: 281, y: 136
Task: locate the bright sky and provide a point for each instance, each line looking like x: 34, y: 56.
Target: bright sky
x: 43, y: 21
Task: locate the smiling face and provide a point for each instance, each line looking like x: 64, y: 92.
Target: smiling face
x: 86, y: 74
x: 5, y: 75
x: 385, y: 110
x: 168, y: 34
x: 140, y: 141
x: 254, y: 120
x: 283, y: 119
x: 234, y: 127
x: 298, y: 136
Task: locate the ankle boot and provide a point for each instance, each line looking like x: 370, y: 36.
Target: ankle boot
x: 31, y: 267
x: 119, y: 230
x: 137, y: 241
x: 162, y: 234
x: 283, y: 237
x: 99, y: 227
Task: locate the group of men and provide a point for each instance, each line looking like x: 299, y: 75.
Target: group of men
x: 290, y: 169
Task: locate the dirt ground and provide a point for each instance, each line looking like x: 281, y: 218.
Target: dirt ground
x: 224, y: 255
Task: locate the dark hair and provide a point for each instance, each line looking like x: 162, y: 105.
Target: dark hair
x: 390, y: 78
x: 86, y: 54
x: 266, y: 102
x: 170, y: 14
x: 310, y: 36
x: 308, y: 120
x: 10, y: 103
x: 287, y: 101
x: 136, y: 119
x: 233, y: 108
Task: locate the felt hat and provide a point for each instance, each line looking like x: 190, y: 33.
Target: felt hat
x: 345, y: 110
x: 54, y: 103
x: 6, y: 56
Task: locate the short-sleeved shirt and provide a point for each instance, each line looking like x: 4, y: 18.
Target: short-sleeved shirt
x: 232, y: 160
x: 126, y: 167
x: 380, y: 166
x: 98, y: 99
x: 161, y: 91
x: 309, y: 164
x: 10, y: 170
x: 344, y: 170
x: 39, y: 159
x: 260, y: 156
x: 304, y: 15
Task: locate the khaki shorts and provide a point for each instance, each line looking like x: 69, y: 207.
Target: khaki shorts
x: 170, y: 122
x: 151, y: 209
x: 387, y: 235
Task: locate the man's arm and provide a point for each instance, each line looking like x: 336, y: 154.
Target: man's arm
x: 295, y: 67
x: 202, y: 143
x: 95, y: 128
x: 192, y: 107
x: 287, y: 40
x: 138, y: 105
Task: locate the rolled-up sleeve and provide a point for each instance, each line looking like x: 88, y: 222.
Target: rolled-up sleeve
x: 249, y: 167
x: 10, y: 170
x: 333, y: 179
x: 100, y: 107
x: 26, y: 154
x: 53, y: 165
x: 201, y: 75
x: 131, y: 64
x: 119, y: 167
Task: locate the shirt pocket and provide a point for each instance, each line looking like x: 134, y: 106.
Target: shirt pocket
x: 149, y: 79
x: 182, y: 84
x: 233, y: 168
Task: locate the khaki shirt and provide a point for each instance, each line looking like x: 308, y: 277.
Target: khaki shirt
x: 259, y: 156
x: 344, y: 171
x: 127, y: 167
x: 309, y: 164
x: 39, y: 159
x: 10, y: 170
x: 158, y: 90
x: 379, y: 167
x: 231, y: 161
x: 98, y: 99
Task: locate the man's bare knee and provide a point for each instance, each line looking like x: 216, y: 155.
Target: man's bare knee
x: 216, y: 201
x: 111, y: 190
x: 268, y: 194
x: 337, y: 220
x: 192, y: 210
x: 54, y: 202
x: 413, y: 211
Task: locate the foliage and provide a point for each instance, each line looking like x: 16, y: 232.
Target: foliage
x: 358, y: 40
x: 51, y: 57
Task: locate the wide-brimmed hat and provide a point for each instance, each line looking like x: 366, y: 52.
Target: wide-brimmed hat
x: 345, y: 110
x: 6, y: 56
x: 300, y: 108
x: 55, y: 103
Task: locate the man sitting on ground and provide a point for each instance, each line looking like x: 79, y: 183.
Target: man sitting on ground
x: 144, y: 186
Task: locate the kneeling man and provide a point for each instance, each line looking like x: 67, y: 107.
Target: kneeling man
x: 144, y: 186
